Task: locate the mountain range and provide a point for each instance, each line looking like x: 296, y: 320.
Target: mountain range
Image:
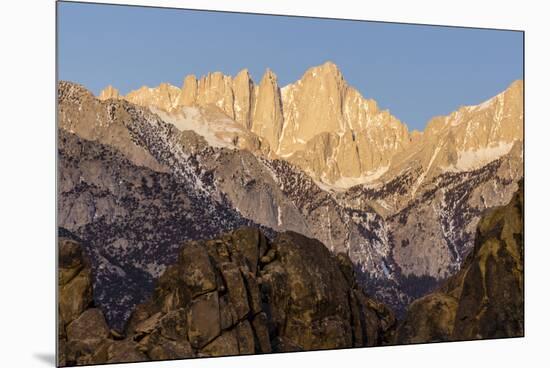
x: 141, y: 174
x: 327, y: 129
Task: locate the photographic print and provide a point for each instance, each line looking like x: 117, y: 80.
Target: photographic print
x: 235, y: 183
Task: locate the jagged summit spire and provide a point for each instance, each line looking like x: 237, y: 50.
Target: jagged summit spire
x: 268, y: 117
x: 325, y: 69
x: 329, y: 65
x: 269, y: 75
x: 109, y: 92
x: 188, y: 93
x: 244, y: 72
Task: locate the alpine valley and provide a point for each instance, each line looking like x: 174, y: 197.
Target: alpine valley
x: 335, y: 193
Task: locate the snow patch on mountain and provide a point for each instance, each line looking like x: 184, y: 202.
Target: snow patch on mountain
x: 422, y: 176
x: 344, y: 182
x: 213, y: 131
x: 473, y: 159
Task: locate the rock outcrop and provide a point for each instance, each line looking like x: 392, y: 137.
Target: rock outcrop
x: 82, y: 328
x: 244, y: 95
x: 237, y: 294
x: 268, y: 114
x: 164, y: 96
x: 485, y: 299
x: 256, y: 109
x: 233, y: 96
x: 242, y: 294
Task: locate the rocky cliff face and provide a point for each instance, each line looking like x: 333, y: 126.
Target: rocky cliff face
x: 268, y: 114
x: 234, y: 96
x: 485, y: 298
x: 435, y: 191
x: 319, y: 123
x: 465, y: 140
x: 333, y: 133
x: 237, y: 294
x: 145, y: 178
x: 81, y: 326
x: 339, y: 138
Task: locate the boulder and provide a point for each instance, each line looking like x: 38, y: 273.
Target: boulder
x: 236, y: 289
x: 252, y: 244
x: 261, y: 333
x: 196, y: 270
x: 89, y: 326
x: 203, y: 320
x: 429, y: 319
x: 86, y: 338
x: 124, y: 352
x: 309, y: 294
x: 168, y: 349
x: 245, y: 338
x: 74, y: 281
x: 225, y: 344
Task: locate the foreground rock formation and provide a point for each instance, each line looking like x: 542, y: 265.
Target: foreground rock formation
x: 485, y: 299
x: 237, y: 294
x: 243, y: 294
x: 81, y: 327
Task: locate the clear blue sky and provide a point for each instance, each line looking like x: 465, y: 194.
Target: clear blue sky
x: 416, y: 72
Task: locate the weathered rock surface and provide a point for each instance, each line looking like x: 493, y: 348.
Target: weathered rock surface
x: 428, y: 319
x: 483, y: 300
x: 335, y: 134
x: 239, y: 294
x: 81, y: 327
x: 75, y: 282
